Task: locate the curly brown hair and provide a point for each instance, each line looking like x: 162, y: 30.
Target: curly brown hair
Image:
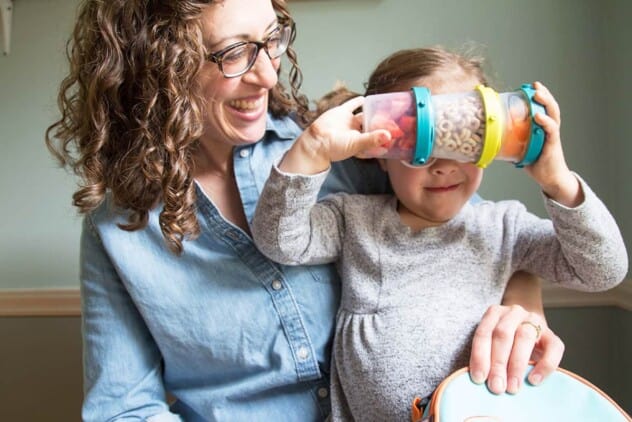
x: 130, y: 111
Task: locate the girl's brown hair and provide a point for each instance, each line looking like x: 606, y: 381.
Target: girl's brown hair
x: 130, y: 112
x: 405, y: 66
x: 401, y: 69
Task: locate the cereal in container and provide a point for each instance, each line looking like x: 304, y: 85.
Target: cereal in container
x: 477, y: 126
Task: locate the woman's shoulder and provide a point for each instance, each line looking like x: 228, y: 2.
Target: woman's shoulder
x: 108, y: 217
x: 107, y: 224
x: 107, y: 212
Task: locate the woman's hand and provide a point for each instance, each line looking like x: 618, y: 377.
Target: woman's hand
x: 504, y: 342
x: 333, y: 136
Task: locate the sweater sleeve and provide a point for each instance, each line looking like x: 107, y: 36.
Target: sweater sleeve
x: 581, y: 249
x: 290, y: 227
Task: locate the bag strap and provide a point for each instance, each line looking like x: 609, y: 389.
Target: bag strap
x: 418, y: 408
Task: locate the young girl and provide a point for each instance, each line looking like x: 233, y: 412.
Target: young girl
x: 421, y: 266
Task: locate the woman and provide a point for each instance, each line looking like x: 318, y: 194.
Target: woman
x: 172, y: 116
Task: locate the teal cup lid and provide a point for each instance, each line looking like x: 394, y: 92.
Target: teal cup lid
x: 425, y: 126
x: 536, y: 140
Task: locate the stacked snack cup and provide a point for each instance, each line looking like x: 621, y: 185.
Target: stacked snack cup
x: 477, y: 126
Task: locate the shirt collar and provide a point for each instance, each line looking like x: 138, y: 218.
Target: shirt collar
x: 283, y: 127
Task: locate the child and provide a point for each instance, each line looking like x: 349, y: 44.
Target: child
x: 421, y: 266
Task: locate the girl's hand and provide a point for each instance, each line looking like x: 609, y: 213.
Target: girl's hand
x: 334, y: 136
x: 504, y: 342
x: 550, y: 170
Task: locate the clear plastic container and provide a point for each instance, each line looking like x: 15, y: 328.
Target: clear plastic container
x: 459, y: 126
x: 517, y: 127
x: 476, y: 126
x: 397, y: 113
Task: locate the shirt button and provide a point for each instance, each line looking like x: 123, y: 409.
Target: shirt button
x: 277, y: 285
x: 244, y: 153
x: 303, y: 353
x: 323, y: 392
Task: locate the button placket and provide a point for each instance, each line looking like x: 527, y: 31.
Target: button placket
x: 287, y: 308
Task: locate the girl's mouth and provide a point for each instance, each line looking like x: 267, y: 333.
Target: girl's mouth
x: 441, y: 189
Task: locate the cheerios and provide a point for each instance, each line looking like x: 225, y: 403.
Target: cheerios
x: 466, y: 149
x: 451, y: 145
x: 459, y: 128
x: 464, y: 134
x: 445, y: 125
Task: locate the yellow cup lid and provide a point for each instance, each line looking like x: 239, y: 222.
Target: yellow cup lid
x: 493, y: 125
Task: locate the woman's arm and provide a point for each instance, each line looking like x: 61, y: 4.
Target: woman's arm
x: 507, y: 338
x: 524, y: 289
x: 122, y: 364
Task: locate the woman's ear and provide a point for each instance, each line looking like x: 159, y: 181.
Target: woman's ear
x: 382, y: 162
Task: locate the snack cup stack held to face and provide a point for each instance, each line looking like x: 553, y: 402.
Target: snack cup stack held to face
x: 466, y: 126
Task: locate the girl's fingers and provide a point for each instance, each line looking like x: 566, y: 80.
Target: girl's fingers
x: 544, y: 97
x: 352, y: 104
x: 550, y: 126
x: 365, y: 141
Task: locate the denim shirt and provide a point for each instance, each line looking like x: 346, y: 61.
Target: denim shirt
x: 227, y: 333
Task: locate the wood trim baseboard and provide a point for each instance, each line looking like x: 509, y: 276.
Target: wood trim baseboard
x: 40, y: 302
x: 558, y: 297
x: 67, y: 302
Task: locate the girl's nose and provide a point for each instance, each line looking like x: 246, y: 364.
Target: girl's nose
x: 443, y: 167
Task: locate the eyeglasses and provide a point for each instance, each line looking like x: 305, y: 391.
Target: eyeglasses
x: 238, y: 58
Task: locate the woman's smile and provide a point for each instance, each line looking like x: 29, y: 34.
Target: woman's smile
x: 249, y: 105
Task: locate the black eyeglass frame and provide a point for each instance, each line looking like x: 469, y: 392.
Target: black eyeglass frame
x: 217, y: 57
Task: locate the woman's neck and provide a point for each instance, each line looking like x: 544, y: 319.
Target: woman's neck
x: 214, y: 174
x: 217, y: 161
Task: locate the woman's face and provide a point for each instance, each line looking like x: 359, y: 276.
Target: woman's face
x: 236, y: 108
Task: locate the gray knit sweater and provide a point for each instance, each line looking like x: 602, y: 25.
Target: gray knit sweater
x: 412, y: 299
